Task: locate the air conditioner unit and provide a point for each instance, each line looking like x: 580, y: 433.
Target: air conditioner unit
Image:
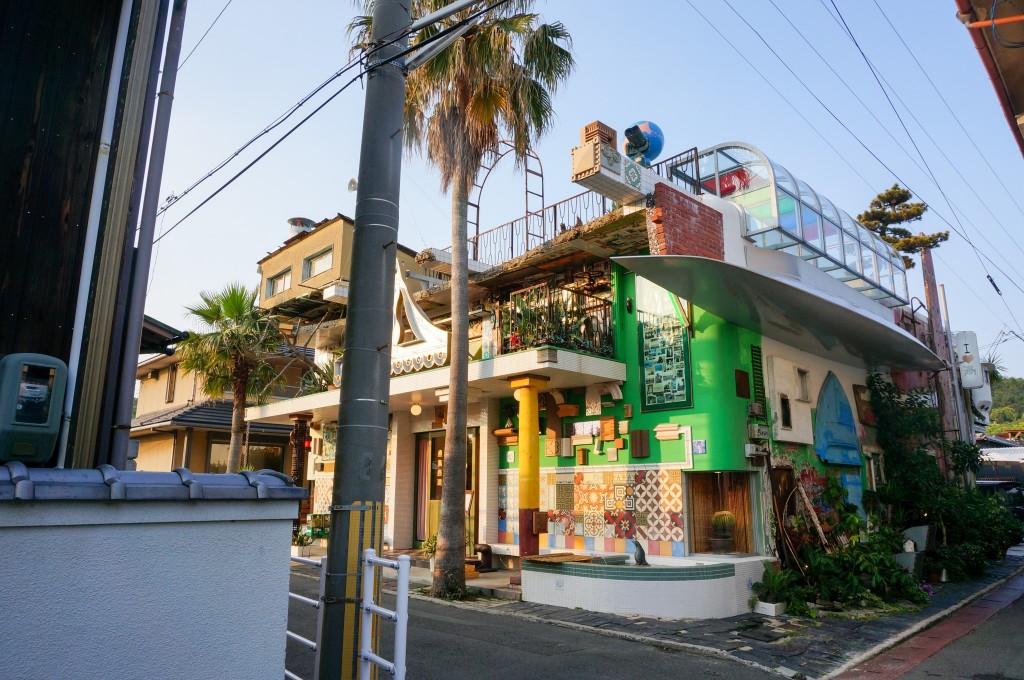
x: 757, y: 431
x: 755, y: 409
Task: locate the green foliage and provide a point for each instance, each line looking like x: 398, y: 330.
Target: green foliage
x: 429, y: 546
x: 776, y: 585
x: 963, y: 456
x: 723, y: 523
x: 891, y: 208
x: 316, y: 379
x: 1004, y: 414
x: 302, y: 538
x: 1007, y: 405
x: 230, y: 351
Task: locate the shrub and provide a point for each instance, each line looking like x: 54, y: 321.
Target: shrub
x: 776, y: 585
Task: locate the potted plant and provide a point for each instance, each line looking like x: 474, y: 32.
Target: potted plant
x: 301, y: 540
x: 723, y: 523
x: 772, y: 591
x: 429, y: 548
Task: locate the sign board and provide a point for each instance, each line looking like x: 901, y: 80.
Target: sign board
x: 972, y: 375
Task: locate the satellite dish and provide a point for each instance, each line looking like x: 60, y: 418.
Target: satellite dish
x: 352, y: 185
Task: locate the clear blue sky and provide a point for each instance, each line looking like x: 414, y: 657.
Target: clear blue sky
x: 654, y: 60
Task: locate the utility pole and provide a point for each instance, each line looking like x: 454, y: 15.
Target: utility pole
x: 941, y: 348
x: 358, y: 500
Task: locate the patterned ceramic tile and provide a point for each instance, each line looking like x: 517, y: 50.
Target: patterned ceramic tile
x: 564, y: 496
x: 593, y: 524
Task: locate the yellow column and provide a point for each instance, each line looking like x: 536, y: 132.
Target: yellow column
x: 529, y: 459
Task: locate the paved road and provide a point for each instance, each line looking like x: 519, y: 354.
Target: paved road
x: 447, y: 642
x: 990, y: 652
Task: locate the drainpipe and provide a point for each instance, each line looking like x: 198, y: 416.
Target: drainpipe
x: 99, y: 182
x: 110, y: 414
x: 965, y: 13
x: 147, y: 228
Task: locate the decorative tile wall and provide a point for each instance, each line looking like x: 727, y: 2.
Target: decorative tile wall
x: 603, y: 510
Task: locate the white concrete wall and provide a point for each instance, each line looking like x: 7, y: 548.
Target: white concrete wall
x: 487, y: 504
x: 141, y: 589
x: 782, y: 360
x: 401, y: 492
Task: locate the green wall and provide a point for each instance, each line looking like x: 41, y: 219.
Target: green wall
x: 718, y: 416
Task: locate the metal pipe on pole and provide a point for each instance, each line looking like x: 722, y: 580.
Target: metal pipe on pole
x: 358, y: 497
x: 147, y: 228
x: 119, y: 410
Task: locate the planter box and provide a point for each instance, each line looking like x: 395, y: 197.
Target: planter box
x: 770, y: 608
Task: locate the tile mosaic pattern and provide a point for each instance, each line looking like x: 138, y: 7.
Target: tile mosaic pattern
x: 604, y: 510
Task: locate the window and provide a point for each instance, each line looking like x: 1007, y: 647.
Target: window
x: 260, y: 457
x: 280, y: 283
x: 785, y: 414
x: 803, y: 384
x: 317, y: 264
x: 172, y: 378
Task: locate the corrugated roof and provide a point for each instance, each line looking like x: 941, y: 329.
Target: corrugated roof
x: 211, y: 415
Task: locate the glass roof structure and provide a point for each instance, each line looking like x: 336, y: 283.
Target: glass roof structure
x: 783, y: 212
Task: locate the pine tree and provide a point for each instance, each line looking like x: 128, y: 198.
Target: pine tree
x: 891, y: 208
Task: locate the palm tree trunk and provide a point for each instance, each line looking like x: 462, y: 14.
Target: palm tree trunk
x: 239, y: 383
x: 449, y: 579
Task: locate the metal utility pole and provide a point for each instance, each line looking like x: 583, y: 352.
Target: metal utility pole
x: 147, y: 229
x: 358, y: 500
x: 941, y: 348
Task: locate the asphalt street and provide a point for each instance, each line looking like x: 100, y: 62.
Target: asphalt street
x: 992, y: 651
x: 448, y: 642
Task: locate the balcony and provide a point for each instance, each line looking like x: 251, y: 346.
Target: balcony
x: 548, y: 315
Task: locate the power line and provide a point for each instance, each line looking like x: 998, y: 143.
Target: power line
x: 956, y: 118
x: 960, y: 231
x: 172, y: 199
x: 842, y: 80
x: 770, y: 84
x: 256, y: 160
x: 935, y: 180
x: 203, y: 37
x: 440, y: 35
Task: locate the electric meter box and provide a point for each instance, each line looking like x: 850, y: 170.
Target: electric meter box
x: 31, y: 403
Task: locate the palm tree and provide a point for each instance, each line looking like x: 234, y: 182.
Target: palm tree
x: 493, y: 83
x: 229, y: 352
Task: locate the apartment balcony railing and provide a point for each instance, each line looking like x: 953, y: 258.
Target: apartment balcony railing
x: 545, y: 315
x: 512, y: 239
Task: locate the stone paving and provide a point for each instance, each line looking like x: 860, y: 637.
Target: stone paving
x: 792, y: 646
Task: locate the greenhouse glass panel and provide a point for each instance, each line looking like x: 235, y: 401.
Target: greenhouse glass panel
x: 807, y: 195
x: 787, y: 212
x: 784, y: 179
x: 811, y: 223
x: 885, y: 272
x: 867, y: 257
x: 851, y: 252
x: 829, y: 210
x: 833, y: 242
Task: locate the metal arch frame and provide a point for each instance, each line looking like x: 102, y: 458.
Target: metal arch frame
x: 506, y: 147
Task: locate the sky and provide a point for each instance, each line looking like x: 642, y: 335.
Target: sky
x: 697, y: 69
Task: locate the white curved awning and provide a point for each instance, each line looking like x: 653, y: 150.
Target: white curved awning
x: 782, y: 306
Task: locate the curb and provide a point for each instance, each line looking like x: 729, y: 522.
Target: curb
x: 920, y: 626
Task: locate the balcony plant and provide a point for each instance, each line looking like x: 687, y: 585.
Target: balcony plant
x: 723, y: 523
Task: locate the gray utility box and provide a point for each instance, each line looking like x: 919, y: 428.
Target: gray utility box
x: 31, y: 403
